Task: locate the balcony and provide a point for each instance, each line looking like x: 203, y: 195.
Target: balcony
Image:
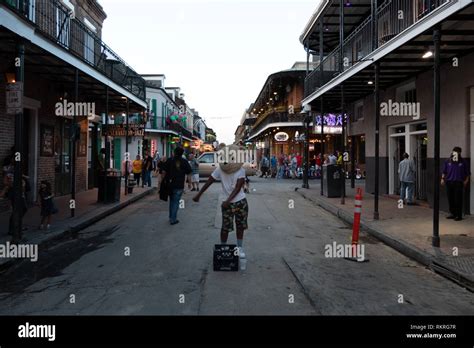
x: 359, y: 44
x: 55, y: 21
x: 277, y: 117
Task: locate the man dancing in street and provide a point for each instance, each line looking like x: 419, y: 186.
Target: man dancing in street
x: 232, y: 177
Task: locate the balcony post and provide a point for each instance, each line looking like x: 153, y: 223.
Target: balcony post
x: 107, y: 144
x: 341, y: 70
x: 374, y: 25
x: 321, y: 67
x: 75, y: 133
x: 377, y: 138
x: 437, y: 117
x: 127, y: 160
x: 18, y: 203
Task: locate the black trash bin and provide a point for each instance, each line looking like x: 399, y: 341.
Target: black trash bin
x: 332, y: 181
x: 109, y: 186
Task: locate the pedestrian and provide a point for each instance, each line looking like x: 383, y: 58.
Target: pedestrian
x: 456, y: 176
x: 407, y: 175
x: 332, y: 159
x: 174, y: 173
x: 264, y: 165
x: 194, y: 163
x: 147, y: 169
x: 281, y: 166
x: 45, y: 200
x: 156, y: 160
x: 9, y: 193
x: 273, y: 165
x: 235, y: 206
x: 299, y: 160
x: 137, y: 168
x: 159, y: 169
x: 293, y: 166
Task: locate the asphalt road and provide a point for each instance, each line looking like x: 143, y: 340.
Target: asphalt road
x: 135, y: 263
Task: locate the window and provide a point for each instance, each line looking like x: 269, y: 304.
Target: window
x: 63, y: 21
x: 89, y: 42
x: 358, y: 111
x: 410, y: 96
x: 208, y: 158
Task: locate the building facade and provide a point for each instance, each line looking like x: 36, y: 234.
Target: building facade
x: 381, y: 70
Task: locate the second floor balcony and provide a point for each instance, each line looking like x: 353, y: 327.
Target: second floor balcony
x: 53, y: 20
x: 392, y: 17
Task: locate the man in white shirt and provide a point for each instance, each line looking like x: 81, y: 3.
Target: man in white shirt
x: 232, y: 177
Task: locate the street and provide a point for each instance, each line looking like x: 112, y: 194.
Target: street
x: 134, y: 263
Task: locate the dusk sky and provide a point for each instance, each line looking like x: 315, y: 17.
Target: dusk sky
x: 219, y: 52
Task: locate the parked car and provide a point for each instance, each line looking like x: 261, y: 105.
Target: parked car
x: 207, y: 164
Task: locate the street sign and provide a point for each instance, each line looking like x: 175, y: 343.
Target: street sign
x: 14, y: 98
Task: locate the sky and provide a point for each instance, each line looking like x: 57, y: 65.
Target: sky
x: 220, y: 52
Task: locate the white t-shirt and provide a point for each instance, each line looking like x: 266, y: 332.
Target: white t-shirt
x: 229, y: 181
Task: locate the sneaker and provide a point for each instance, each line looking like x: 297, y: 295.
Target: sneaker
x: 241, y: 253
x: 174, y: 223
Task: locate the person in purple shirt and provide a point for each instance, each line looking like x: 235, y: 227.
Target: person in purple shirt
x: 456, y: 177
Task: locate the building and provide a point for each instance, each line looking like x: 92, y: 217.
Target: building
x: 378, y: 61
x: 275, y: 124
x: 52, y: 57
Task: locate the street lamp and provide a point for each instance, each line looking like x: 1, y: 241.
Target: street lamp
x: 306, y: 122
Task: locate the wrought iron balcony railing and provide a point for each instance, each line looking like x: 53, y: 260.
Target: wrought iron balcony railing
x: 277, y: 117
x: 393, y: 17
x: 57, y: 22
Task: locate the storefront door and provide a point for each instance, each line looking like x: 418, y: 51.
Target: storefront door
x: 62, y: 155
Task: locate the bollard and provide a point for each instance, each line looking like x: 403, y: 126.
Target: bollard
x: 356, y: 225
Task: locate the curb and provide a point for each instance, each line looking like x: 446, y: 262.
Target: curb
x: 72, y: 230
x: 409, y: 250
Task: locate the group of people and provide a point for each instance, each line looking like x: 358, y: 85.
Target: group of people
x: 455, y: 176
x: 143, y: 168
x: 291, y: 166
x: 45, y: 195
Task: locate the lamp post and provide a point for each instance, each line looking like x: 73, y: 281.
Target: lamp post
x: 306, y: 122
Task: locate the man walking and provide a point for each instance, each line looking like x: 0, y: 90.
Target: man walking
x: 175, y: 171
x: 147, y: 169
x: 194, y: 163
x: 264, y: 165
x: 232, y: 177
x: 456, y: 175
x: 407, y: 174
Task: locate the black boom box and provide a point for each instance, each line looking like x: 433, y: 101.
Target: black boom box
x: 226, y: 257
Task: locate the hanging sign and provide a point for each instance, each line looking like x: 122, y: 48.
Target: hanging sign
x: 14, y: 98
x: 282, y: 137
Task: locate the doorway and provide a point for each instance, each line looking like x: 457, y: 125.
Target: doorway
x: 62, y: 156
x: 411, y: 138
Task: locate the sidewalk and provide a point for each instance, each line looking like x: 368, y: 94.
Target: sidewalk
x: 409, y: 230
x: 88, y: 211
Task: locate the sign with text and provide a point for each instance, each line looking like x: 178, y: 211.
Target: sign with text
x: 14, y: 98
x: 119, y: 130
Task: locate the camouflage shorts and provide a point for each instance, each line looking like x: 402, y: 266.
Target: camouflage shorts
x: 238, y: 209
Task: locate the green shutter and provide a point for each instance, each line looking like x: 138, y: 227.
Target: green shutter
x: 118, y: 154
x: 155, y: 113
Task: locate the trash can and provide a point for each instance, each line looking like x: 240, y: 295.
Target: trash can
x: 332, y: 179
x: 109, y: 186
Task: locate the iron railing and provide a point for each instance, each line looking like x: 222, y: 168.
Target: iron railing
x: 57, y: 22
x: 393, y: 17
x: 277, y: 118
